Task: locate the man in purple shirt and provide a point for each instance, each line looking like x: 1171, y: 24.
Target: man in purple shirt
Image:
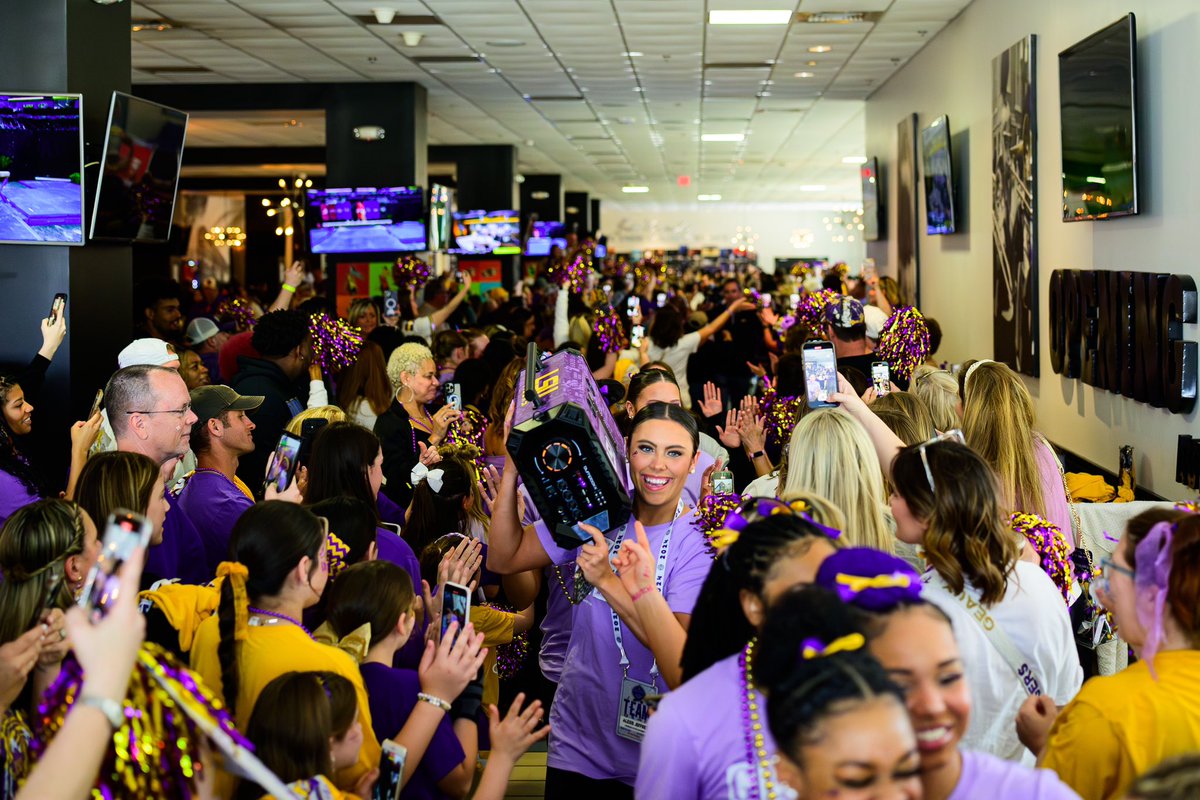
x: 213, y: 497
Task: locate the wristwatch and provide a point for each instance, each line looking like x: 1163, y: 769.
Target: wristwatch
x: 757, y: 454
x: 113, y: 709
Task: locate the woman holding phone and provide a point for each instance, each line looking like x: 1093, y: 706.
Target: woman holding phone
x: 623, y: 648
x: 668, y: 342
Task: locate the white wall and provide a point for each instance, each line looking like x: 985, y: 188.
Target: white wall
x: 952, y: 75
x: 642, y: 227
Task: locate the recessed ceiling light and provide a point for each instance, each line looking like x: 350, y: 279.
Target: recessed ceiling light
x: 708, y: 198
x: 854, y: 160
x: 750, y: 17
x: 722, y: 137
x: 803, y: 75
x: 638, y: 89
x: 820, y: 48
x: 635, y: 189
x: 812, y: 187
x: 633, y: 54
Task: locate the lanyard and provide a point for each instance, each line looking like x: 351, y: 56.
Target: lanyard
x: 660, y: 571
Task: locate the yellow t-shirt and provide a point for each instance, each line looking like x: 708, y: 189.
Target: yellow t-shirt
x: 1118, y: 726
x: 273, y: 650
x: 497, y: 629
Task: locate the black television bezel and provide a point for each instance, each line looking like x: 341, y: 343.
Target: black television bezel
x: 1131, y: 19
x: 112, y: 105
x: 82, y: 176
x: 872, y: 163
x: 944, y: 119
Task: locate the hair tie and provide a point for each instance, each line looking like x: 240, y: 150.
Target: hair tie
x: 815, y: 648
x: 337, y: 551
x: 236, y: 574
x: 1151, y: 580
x: 971, y: 369
x: 850, y: 586
x: 356, y: 643
x: 420, y: 473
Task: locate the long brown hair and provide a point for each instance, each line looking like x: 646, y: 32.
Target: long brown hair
x: 967, y: 539
x: 109, y: 481
x: 502, y: 396
x: 998, y: 424
x: 35, y: 544
x: 366, y: 377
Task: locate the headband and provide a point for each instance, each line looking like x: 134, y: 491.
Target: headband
x: 1151, y: 579
x: 815, y: 648
x: 236, y: 574
x: 420, y: 472
x: 971, y: 369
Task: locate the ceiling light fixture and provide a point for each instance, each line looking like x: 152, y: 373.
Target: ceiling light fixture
x: 854, y: 160
x: 803, y: 75
x: 412, y: 38
x: 635, y: 189
x: 633, y: 54
x: 750, y: 17
x: 820, y: 48
x: 384, y: 16
x: 722, y: 137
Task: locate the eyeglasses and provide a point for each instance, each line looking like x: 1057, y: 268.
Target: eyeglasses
x: 953, y: 435
x: 1107, y: 567
x: 179, y: 412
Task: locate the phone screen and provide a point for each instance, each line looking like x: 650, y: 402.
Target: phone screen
x: 284, y: 466
x: 660, y: 299
x: 765, y: 300
x: 57, y: 305
x: 124, y: 532
x: 454, y: 396
x: 391, y: 771
x: 456, y: 605
x: 820, y: 374
x: 636, y: 336
x: 631, y: 306
x: 722, y: 482
x: 391, y: 303
x: 881, y: 377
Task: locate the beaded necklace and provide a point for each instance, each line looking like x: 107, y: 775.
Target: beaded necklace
x: 756, y: 750
x: 276, y: 615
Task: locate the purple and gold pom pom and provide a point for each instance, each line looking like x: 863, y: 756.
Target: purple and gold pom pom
x: 511, y: 657
x: 608, y: 330
x: 780, y: 415
x: 810, y: 311
x: 237, y: 311
x: 410, y: 272
x: 571, y: 275
x: 335, y: 342
x: 710, y: 518
x: 1054, y: 553
x: 904, y: 341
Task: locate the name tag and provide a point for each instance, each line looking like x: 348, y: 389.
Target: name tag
x: 633, y: 711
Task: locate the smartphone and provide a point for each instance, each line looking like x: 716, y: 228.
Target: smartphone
x: 391, y: 303
x: 96, y: 403
x: 454, y: 396
x: 632, y: 306
x: 820, y: 373
x: 283, y: 468
x: 881, y: 377
x: 456, y: 605
x: 722, y: 482
x: 660, y: 299
x: 765, y: 299
x: 458, y: 275
x: 636, y: 336
x: 391, y: 771
x: 795, y: 298
x: 56, y: 306
x: 607, y: 289
x: 124, y: 532
x: 309, y: 429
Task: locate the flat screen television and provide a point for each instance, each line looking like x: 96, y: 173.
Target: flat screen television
x: 939, y: 177
x: 139, y: 170
x: 869, y: 172
x: 367, y: 220
x: 487, y: 232
x: 441, y: 223
x: 1097, y: 84
x: 41, y: 168
x: 544, y: 237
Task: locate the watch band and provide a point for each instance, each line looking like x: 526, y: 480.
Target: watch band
x: 434, y: 701
x: 113, y: 709
x: 757, y: 454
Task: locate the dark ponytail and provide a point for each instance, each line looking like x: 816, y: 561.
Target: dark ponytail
x: 269, y: 539
x: 672, y: 413
x: 719, y: 628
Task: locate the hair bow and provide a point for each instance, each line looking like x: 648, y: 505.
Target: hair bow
x: 849, y: 586
x: 236, y: 575
x: 420, y: 472
x: 355, y: 643
x: 1151, y: 579
x: 337, y: 551
x: 815, y: 648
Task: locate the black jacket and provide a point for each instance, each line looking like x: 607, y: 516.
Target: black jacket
x: 400, y: 451
x: 284, y: 399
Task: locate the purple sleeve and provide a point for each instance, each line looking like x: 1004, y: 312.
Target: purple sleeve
x: 389, y: 511
x: 13, y: 495
x: 445, y: 752
x: 688, y: 571
x: 667, y: 765
x: 556, y: 553
x: 394, y: 549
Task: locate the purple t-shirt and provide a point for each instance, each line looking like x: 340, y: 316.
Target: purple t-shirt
x: 14, y: 495
x: 388, y: 510
x: 391, y: 547
x: 181, y: 554
x: 392, y: 694
x: 695, y: 746
x: 984, y: 775
x: 583, y: 719
x: 212, y: 503
x: 556, y: 625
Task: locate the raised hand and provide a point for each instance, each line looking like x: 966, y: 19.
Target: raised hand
x: 593, y: 559
x: 706, y: 478
x: 712, y: 404
x: 729, y: 435
x: 635, y: 564
x: 447, y: 668
x: 518, y: 731
x: 460, y: 564
x: 17, y: 659
x: 752, y: 429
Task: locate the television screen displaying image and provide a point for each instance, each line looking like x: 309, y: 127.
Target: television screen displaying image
x: 480, y: 232
x: 544, y: 237
x: 139, y: 170
x: 939, y: 177
x: 1098, y: 95
x: 41, y: 169
x: 367, y: 220
x: 441, y: 223
x: 869, y: 172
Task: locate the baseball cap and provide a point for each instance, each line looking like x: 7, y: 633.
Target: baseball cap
x: 844, y: 312
x: 875, y: 319
x: 212, y: 401
x: 201, y: 329
x: 152, y: 352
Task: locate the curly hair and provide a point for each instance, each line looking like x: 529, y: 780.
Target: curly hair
x: 279, y: 333
x: 406, y: 358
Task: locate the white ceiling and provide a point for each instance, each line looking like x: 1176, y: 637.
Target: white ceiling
x: 630, y: 119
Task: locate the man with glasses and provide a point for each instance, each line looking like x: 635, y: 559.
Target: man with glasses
x: 151, y: 413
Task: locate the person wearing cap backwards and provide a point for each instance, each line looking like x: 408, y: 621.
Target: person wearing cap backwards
x: 846, y: 327
x: 207, y: 339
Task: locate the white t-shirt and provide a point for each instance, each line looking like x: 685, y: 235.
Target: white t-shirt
x: 1034, y: 617
x: 676, y: 357
x: 361, y: 413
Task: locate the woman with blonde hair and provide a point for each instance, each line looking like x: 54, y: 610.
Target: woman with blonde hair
x: 998, y: 422
x: 912, y: 408
x: 939, y: 390
x: 831, y: 455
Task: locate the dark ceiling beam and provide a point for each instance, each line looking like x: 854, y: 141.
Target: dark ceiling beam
x: 236, y: 96
x: 237, y: 156
x: 233, y: 183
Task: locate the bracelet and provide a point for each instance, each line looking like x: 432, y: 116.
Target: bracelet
x: 112, y: 709
x: 434, y: 701
x: 640, y: 593
x: 757, y: 454
x: 287, y: 287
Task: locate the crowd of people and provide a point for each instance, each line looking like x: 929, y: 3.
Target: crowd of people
x: 878, y: 592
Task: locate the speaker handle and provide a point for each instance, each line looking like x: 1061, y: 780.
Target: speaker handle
x: 532, y: 364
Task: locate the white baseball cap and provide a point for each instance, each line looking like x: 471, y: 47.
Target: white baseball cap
x: 875, y: 319
x: 152, y: 352
x: 201, y: 329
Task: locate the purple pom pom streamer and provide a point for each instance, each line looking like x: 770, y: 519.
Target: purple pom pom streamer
x: 608, y: 330
x: 237, y: 311
x: 510, y: 657
x: 781, y: 413
x: 410, y: 272
x: 810, y: 311
x: 1054, y: 554
x: 904, y: 342
x: 571, y: 275
x: 335, y: 342
x: 710, y: 517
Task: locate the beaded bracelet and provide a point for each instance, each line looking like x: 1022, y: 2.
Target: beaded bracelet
x: 434, y: 701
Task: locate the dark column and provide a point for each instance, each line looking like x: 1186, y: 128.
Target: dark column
x: 576, y: 212
x: 594, y: 219
x: 67, y: 46
x: 396, y: 159
x: 541, y: 195
x: 486, y: 177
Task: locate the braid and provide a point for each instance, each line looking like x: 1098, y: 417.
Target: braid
x: 227, y: 646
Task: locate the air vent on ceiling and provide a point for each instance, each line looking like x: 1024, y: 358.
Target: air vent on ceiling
x: 408, y: 20
x: 837, y: 17
x: 176, y: 70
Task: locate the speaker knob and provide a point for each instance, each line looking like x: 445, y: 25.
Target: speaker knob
x: 556, y: 456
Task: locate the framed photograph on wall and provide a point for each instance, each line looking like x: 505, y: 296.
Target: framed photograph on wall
x: 907, y: 264
x: 1014, y: 208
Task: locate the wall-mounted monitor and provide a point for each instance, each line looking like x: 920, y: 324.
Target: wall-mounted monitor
x: 939, y: 177
x: 367, y: 220
x: 869, y: 173
x: 544, y: 236
x: 483, y: 232
x: 139, y: 170
x: 1097, y: 83
x: 41, y: 168
x: 441, y: 221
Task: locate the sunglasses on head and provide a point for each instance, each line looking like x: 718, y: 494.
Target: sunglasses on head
x: 953, y: 435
